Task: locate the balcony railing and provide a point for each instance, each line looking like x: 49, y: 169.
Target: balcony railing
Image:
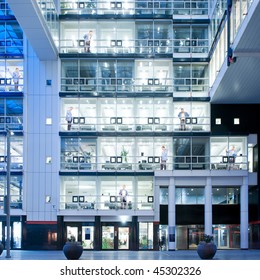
x: 106, y: 202
x: 12, y: 122
x: 77, y: 162
x: 16, y: 202
x: 122, y: 7
x: 135, y: 124
x: 136, y: 46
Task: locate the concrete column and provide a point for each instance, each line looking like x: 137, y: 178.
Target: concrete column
x: 208, y: 207
x: 244, y: 214
x: 171, y: 216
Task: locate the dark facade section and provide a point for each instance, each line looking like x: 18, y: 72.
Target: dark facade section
x: 249, y: 123
x: 226, y: 214
x: 40, y: 236
x: 185, y: 214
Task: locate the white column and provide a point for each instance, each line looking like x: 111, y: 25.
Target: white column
x: 156, y: 203
x: 171, y: 216
x: 208, y: 207
x: 244, y: 214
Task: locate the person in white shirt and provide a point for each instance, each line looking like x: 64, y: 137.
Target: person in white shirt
x: 123, y: 195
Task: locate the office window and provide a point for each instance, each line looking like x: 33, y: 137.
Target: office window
x: 80, y: 189
x: 48, y: 121
x: 236, y: 121
x: 164, y: 195
x: 218, y: 121
x: 225, y: 195
x: 190, y: 195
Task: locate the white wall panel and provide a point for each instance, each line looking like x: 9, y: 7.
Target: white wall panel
x: 41, y: 140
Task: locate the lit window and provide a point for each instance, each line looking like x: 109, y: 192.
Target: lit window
x: 48, y: 160
x: 218, y: 121
x: 48, y: 121
x: 236, y: 121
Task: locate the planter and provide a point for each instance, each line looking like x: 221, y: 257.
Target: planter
x: 1, y: 248
x: 72, y: 250
x: 206, y: 251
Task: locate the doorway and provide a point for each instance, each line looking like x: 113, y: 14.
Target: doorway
x: 115, y: 237
x: 81, y: 233
x: 16, y: 234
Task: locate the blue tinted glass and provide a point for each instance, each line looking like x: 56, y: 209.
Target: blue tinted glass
x: 14, y: 107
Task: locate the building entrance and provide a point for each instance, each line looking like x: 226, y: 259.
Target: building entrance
x: 16, y: 234
x: 115, y: 237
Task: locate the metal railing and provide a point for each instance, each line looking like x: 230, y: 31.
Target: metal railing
x: 136, y: 124
x: 79, y: 162
x: 106, y: 202
x: 135, y: 46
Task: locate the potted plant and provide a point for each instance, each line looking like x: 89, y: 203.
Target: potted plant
x: 72, y: 249
x: 207, y: 248
x: 124, y: 154
x: 1, y: 248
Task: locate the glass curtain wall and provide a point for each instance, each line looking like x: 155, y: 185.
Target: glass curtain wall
x: 190, y: 80
x: 11, y: 75
x: 190, y: 39
x: 16, y: 195
x: 103, y: 193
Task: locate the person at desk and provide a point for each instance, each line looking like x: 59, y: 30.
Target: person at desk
x: 232, y: 152
x: 164, y: 158
x: 182, y: 116
x: 69, y: 117
x: 88, y: 38
x: 123, y: 195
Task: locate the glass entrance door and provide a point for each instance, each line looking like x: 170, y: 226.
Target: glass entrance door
x: 108, y: 237
x: 221, y: 237
x: 72, y: 232
x: 123, y: 238
x: 115, y: 237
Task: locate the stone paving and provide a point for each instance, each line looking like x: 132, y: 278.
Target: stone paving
x: 132, y: 255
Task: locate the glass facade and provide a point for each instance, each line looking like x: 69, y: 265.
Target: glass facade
x: 11, y: 117
x: 134, y: 107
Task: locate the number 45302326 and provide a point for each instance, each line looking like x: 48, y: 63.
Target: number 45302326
x: 166, y: 270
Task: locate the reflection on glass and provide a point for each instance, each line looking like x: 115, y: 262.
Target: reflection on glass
x: 123, y: 238
x: 107, y: 237
x: 72, y: 232
x: 88, y: 237
x: 146, y: 236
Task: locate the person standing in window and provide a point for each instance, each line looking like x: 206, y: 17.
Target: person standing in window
x: 69, y: 117
x: 123, y: 195
x: 88, y: 38
x: 16, y: 76
x: 164, y: 158
x: 182, y: 116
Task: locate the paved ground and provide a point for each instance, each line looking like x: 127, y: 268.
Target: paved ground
x: 133, y: 255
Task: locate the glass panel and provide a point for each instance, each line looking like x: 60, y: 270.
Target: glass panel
x: 195, y: 235
x: 227, y: 236
x: 189, y: 195
x: 182, y: 153
x: 17, y: 234
x: 164, y: 195
x: 224, y: 195
x: 72, y: 233
x: 146, y: 236
x: 88, y: 237
x: 108, y: 237
x: 123, y: 238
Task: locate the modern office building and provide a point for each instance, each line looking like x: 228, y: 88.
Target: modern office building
x: 134, y: 124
